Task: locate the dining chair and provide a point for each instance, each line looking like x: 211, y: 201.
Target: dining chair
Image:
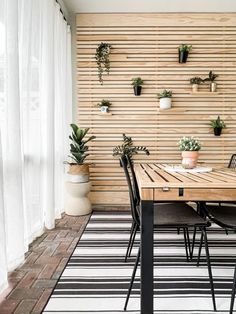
x: 172, y: 215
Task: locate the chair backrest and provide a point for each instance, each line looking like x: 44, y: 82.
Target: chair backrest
x: 133, y: 200
x: 232, y: 162
x: 134, y: 180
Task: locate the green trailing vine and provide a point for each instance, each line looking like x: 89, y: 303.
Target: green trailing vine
x: 103, y: 62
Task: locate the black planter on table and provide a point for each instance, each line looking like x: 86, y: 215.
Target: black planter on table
x: 217, y: 131
x: 183, y: 56
x: 137, y: 90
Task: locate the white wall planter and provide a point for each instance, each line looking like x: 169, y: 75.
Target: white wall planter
x: 165, y: 103
x: 104, y: 109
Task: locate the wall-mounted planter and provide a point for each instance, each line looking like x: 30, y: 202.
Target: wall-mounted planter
x: 104, y: 109
x: 165, y: 103
x: 217, y: 131
x: 137, y: 90
x: 183, y: 56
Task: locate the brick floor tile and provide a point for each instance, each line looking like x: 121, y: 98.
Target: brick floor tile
x: 25, y: 307
x: 47, y: 271
x: 8, y: 306
x: 45, y: 283
x: 42, y: 301
x: 29, y: 293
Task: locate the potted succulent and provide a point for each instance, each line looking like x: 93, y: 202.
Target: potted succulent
x: 211, y: 78
x: 128, y: 148
x: 195, y: 82
x: 218, y: 125
x: 183, y: 52
x: 137, y: 83
x: 102, y: 57
x: 165, y: 99
x: 78, y: 169
x: 190, y: 147
x: 104, y: 106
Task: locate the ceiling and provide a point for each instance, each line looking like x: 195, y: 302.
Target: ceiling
x: 115, y: 6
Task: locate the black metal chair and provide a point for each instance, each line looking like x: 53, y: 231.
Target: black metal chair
x: 173, y: 215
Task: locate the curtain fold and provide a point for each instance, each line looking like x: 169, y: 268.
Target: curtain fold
x: 35, y: 113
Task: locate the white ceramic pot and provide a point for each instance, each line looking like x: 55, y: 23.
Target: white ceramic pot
x: 104, y: 109
x: 165, y: 103
x: 78, y: 173
x: 195, y: 88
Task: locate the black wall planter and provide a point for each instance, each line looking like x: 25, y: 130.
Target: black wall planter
x: 217, y: 131
x: 137, y: 90
x: 183, y: 56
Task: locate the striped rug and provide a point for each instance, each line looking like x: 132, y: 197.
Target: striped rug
x: 96, y: 278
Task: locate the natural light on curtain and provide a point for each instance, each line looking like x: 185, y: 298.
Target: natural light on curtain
x: 35, y: 113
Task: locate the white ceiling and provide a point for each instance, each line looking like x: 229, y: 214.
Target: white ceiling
x: 115, y: 6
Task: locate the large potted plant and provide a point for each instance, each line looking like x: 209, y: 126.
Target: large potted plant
x: 183, y: 52
x: 211, y: 78
x: 218, y: 125
x: 104, y: 106
x: 137, y: 83
x: 165, y: 99
x: 190, y: 147
x: 102, y: 57
x: 78, y: 169
x: 195, y: 82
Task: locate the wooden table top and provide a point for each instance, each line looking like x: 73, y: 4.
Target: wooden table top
x: 154, y: 183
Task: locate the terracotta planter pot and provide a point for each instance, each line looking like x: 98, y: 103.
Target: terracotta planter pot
x: 189, y: 159
x: 78, y: 173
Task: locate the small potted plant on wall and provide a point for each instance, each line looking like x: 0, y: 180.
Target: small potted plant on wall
x: 217, y: 125
x: 195, y: 82
x: 183, y: 52
x: 190, y: 147
x: 78, y: 169
x: 211, y: 78
x: 104, y: 106
x: 137, y: 83
x: 165, y: 98
x: 102, y: 57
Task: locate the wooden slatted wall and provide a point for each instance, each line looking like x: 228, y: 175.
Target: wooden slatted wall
x: 146, y: 45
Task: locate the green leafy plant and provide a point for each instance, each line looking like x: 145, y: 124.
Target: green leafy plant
x: 102, y: 58
x: 165, y: 94
x: 137, y: 81
x: 211, y: 77
x: 185, y: 47
x: 196, y: 80
x: 128, y: 148
x: 78, y: 147
x: 104, y: 102
x: 218, y: 123
x: 189, y: 143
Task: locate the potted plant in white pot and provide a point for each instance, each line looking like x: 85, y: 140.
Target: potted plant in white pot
x: 195, y: 82
x: 190, y: 147
x: 211, y: 78
x: 137, y: 83
x: 183, y: 52
x: 218, y: 125
x: 78, y: 169
x: 104, y: 106
x: 165, y: 98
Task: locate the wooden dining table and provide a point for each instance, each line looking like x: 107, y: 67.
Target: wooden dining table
x: 156, y: 184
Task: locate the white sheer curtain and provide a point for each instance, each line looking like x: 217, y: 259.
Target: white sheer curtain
x: 35, y: 113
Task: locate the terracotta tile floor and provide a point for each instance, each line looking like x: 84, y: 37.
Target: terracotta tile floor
x: 30, y: 285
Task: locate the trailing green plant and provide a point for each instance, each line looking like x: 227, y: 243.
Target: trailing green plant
x: 137, y: 81
x: 189, y: 143
x: 165, y: 94
x: 105, y: 103
x: 185, y: 47
x: 78, y: 147
x: 102, y: 57
x: 128, y: 148
x: 211, y: 77
x: 196, y: 80
x: 218, y: 123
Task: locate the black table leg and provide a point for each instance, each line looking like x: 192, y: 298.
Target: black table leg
x: 146, y: 267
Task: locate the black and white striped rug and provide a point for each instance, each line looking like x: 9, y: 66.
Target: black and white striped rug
x: 96, y: 278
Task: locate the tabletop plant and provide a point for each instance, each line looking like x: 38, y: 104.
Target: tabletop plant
x: 184, y: 52
x: 165, y: 99
x: 137, y: 83
x: 104, y: 105
x: 218, y: 125
x: 211, y: 78
x: 128, y: 148
x: 195, y: 82
x: 102, y: 57
x: 190, y: 147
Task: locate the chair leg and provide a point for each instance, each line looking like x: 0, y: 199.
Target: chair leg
x: 233, y: 293
x: 226, y: 232
x: 132, y: 241
x: 178, y: 230
x: 209, y: 267
x: 186, y: 245
x: 193, y: 242
x: 200, y: 249
x: 189, y: 244
x: 132, y: 279
x: 130, y: 238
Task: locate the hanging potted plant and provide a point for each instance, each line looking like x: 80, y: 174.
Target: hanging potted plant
x: 102, y: 57
x: 190, y: 147
x: 137, y: 83
x: 165, y: 98
x: 78, y: 169
x: 217, y: 125
x: 183, y: 52
x: 104, y: 106
x: 211, y: 78
x: 195, y: 82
